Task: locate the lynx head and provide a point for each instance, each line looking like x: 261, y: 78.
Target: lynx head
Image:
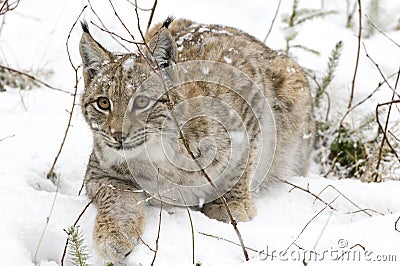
x: 111, y: 90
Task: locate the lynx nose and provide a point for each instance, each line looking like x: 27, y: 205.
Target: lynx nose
x: 119, y: 137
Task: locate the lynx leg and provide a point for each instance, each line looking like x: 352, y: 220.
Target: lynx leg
x: 239, y: 202
x: 119, y: 221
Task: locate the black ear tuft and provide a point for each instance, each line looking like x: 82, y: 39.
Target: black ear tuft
x: 168, y: 21
x: 85, y: 26
x: 162, y: 49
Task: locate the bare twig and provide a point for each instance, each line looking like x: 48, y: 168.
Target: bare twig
x: 4, y: 138
x: 138, y: 23
x: 307, y: 190
x: 381, y: 31
x: 140, y: 8
x: 33, y: 78
x: 376, y: 175
x: 323, y: 230
x: 51, y: 173
x: 115, y: 34
x: 345, y: 197
x: 366, y: 98
x: 181, y: 136
x: 191, y: 223
x: 144, y: 242
x: 350, y: 13
x: 153, y: 9
x: 381, y: 127
x: 159, y: 222
x: 22, y: 100
x: 384, y: 81
x: 363, y: 210
x: 47, y: 223
x: 230, y: 241
x: 120, y: 20
x: 104, y: 26
x: 358, y: 56
x: 79, y: 217
x: 391, y: 134
x: 349, y: 110
x: 273, y: 21
x: 380, y: 71
x: 8, y: 6
x: 308, y: 223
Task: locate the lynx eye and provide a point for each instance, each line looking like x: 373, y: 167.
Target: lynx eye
x: 141, y: 102
x: 103, y: 103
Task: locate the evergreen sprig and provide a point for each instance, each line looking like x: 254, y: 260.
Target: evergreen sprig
x: 76, y: 247
x: 330, y: 71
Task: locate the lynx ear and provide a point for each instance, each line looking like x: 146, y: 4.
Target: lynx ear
x: 163, y: 48
x: 92, y: 53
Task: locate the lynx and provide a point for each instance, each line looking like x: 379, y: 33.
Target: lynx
x: 194, y: 101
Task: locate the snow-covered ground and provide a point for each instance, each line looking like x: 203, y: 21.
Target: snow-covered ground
x: 34, y: 37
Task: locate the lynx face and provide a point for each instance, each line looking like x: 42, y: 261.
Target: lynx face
x: 111, y: 96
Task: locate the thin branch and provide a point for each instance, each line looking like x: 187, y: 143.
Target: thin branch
x: 363, y: 210
x: 273, y: 21
x: 47, y: 223
x: 33, y: 78
x: 376, y: 175
x: 323, y: 230
x: 51, y: 173
x: 185, y: 143
x: 191, y: 223
x: 380, y: 71
x: 382, y: 32
x: 13, y: 135
x: 79, y: 217
x: 115, y: 34
x: 345, y: 197
x: 144, y: 242
x: 307, y: 190
x: 394, y: 136
x: 140, y: 8
x: 381, y: 128
x: 358, y: 56
x: 138, y: 22
x: 308, y: 223
x: 229, y: 241
x: 6, y: 7
x: 104, y: 26
x: 350, y: 13
x: 153, y: 9
x: 120, y: 20
x: 348, y: 111
x: 159, y: 222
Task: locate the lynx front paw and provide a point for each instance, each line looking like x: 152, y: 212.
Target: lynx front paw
x: 115, y: 237
x: 114, y: 246
x: 241, y: 211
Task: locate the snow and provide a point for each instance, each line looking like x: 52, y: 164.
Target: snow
x: 34, y: 37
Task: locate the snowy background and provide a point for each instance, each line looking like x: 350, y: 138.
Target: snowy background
x: 33, y: 122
